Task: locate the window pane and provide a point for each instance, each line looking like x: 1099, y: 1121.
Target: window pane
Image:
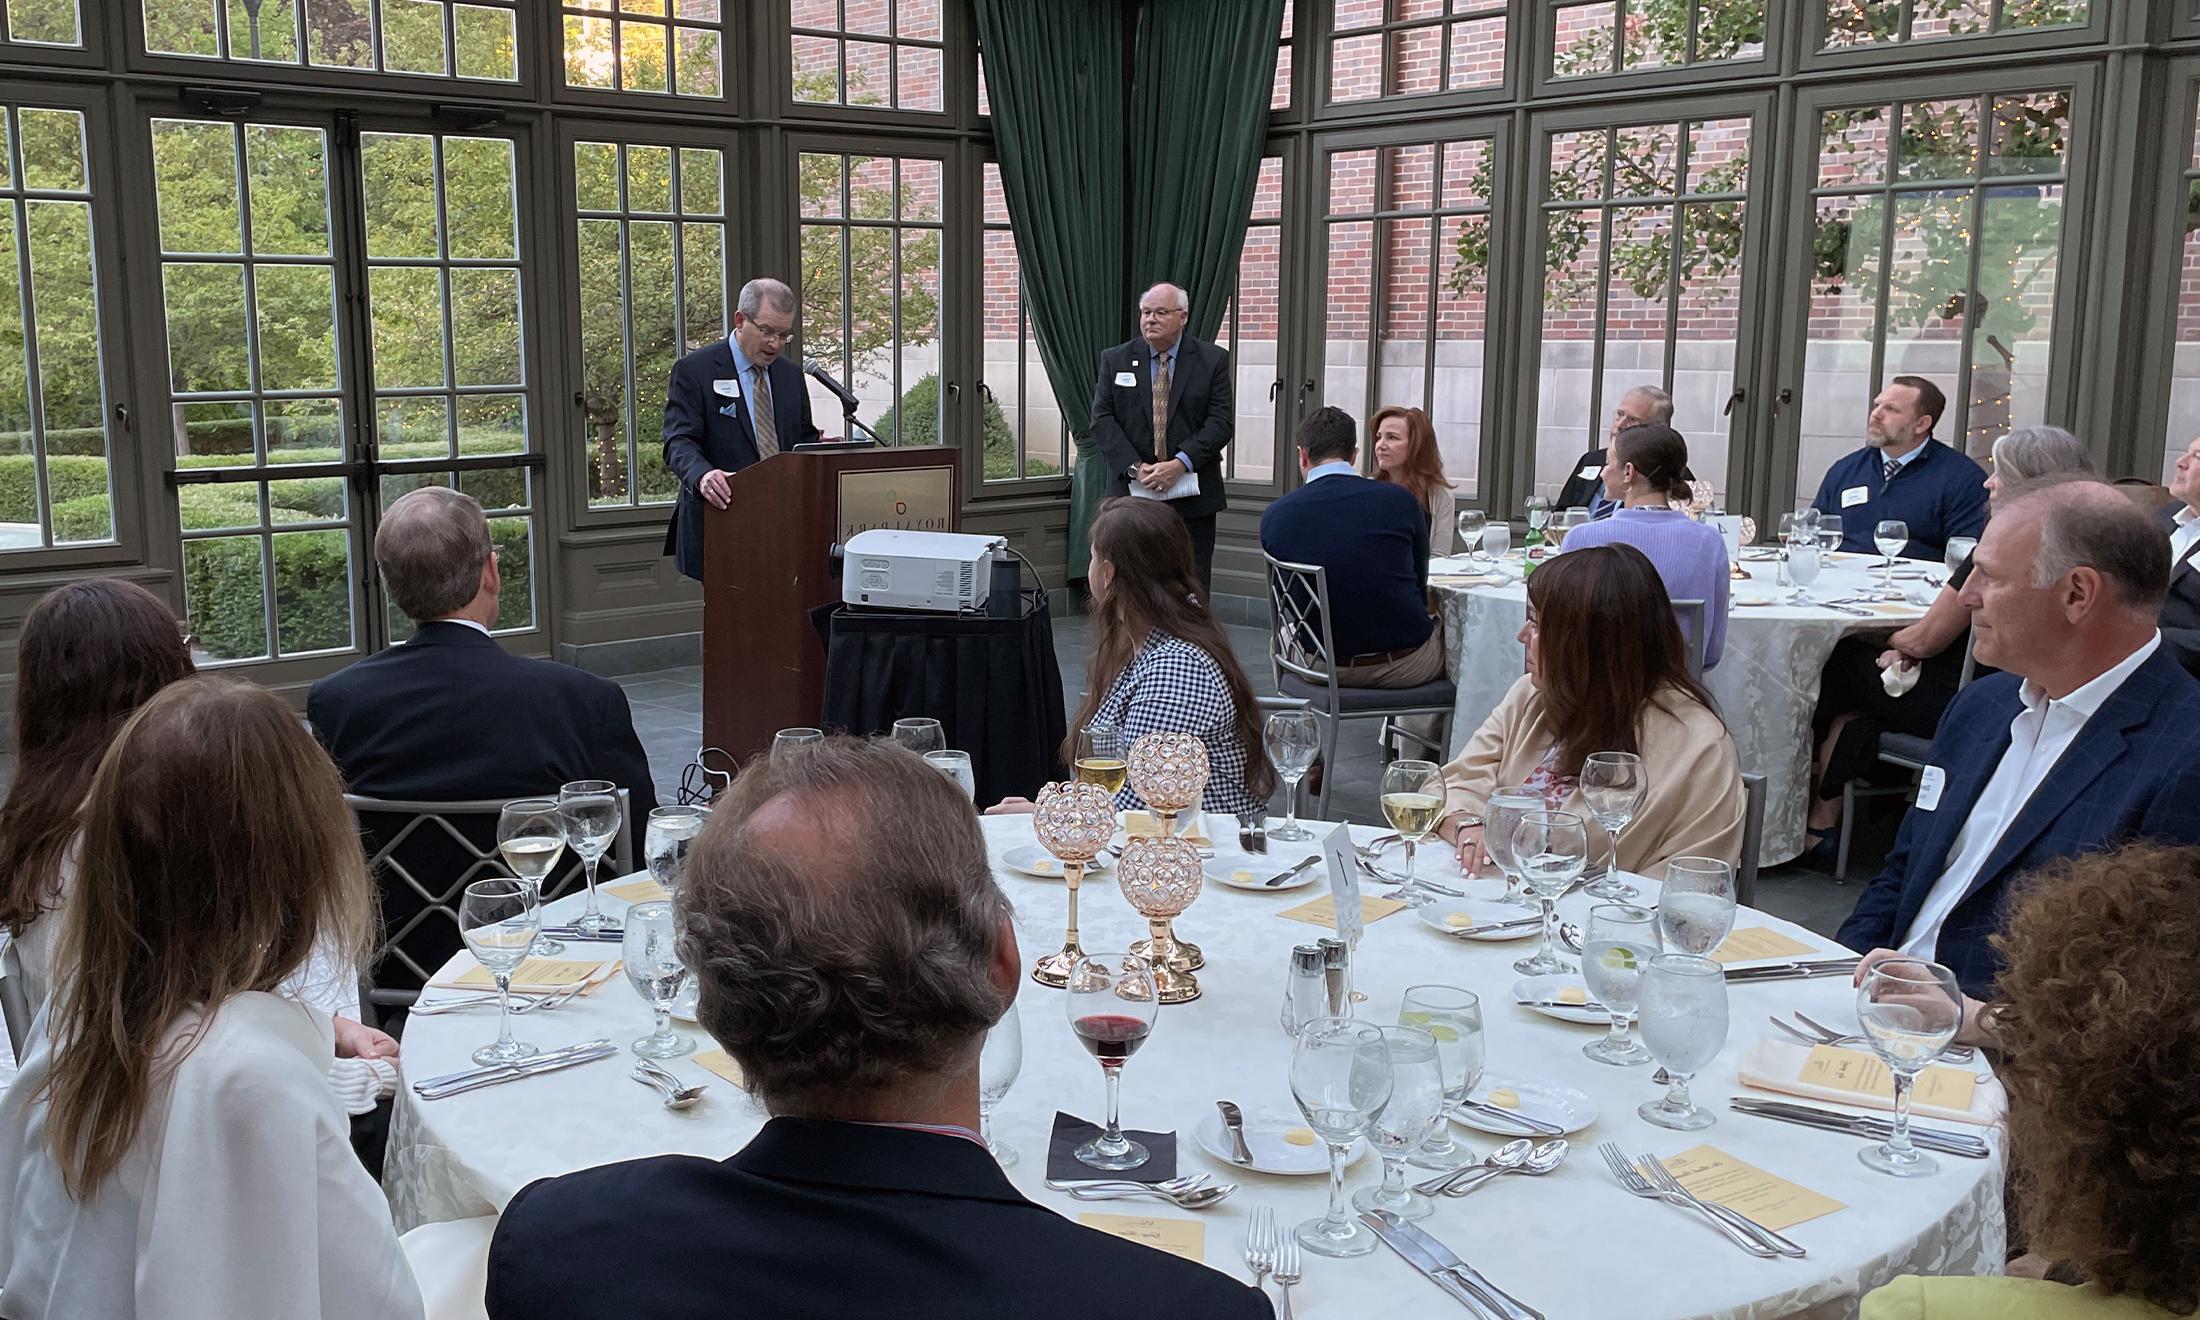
x: 897, y: 61
x: 224, y: 594
x: 45, y: 22
x: 1869, y: 22
x: 875, y: 322
x: 473, y: 39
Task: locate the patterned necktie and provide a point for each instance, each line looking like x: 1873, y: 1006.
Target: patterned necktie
x: 767, y: 430
x: 1894, y: 465
x: 1160, y: 407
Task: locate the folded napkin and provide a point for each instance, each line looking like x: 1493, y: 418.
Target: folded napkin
x: 1898, y: 679
x: 535, y: 976
x: 1191, y: 825
x: 1856, y: 1077
x: 1071, y: 1132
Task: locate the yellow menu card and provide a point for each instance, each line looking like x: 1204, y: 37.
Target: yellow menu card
x: 1753, y: 942
x: 1840, y: 1069
x: 536, y: 974
x: 644, y: 890
x: 1178, y: 1237
x: 1323, y: 911
x: 721, y: 1063
x: 1771, y: 1200
x: 1144, y: 825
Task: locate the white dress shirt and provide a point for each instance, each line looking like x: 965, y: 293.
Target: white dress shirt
x: 2038, y: 737
x: 240, y: 1198
x: 2186, y: 535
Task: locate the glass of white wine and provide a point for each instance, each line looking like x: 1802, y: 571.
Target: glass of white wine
x: 531, y: 836
x: 590, y: 810
x: 1413, y: 799
x: 1294, y: 737
x: 1889, y: 538
x: 1100, y: 756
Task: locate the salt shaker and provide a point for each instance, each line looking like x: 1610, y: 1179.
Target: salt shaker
x: 1336, y: 976
x: 1304, y: 997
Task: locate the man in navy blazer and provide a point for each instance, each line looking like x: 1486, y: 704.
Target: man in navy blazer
x: 2181, y: 608
x: 1903, y: 474
x: 716, y: 406
x: 1166, y: 369
x: 2090, y: 738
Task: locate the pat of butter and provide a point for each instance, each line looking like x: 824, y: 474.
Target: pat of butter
x: 1299, y: 1136
x: 1504, y: 1097
x: 1043, y: 864
x: 1241, y: 877
x: 1573, y: 994
x: 1459, y: 920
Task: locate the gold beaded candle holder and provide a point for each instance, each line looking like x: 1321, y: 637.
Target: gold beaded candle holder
x: 1170, y: 770
x: 1074, y: 822
x: 1160, y: 877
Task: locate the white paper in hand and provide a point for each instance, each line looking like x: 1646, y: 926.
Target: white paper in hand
x: 1344, y: 883
x: 1183, y: 486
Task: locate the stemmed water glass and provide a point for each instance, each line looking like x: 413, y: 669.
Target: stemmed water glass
x: 1684, y: 1024
x: 1696, y: 904
x: 531, y: 837
x: 1294, y: 736
x: 1413, y: 799
x: 665, y: 843
x: 999, y: 1064
x: 1620, y: 943
x: 1415, y: 1107
x: 920, y: 735
x: 590, y: 811
x: 650, y: 951
x: 499, y: 919
x: 1100, y: 758
x: 1496, y: 540
x: 1453, y: 1019
x: 789, y: 739
x: 1341, y: 1078
x: 1957, y: 550
x: 1470, y: 523
x: 1613, y: 786
x: 1550, y: 848
x: 1500, y: 818
x: 1910, y: 1010
x: 1803, y: 564
x: 1111, y: 1004
x: 1829, y: 532
x: 956, y: 766
x: 1889, y: 537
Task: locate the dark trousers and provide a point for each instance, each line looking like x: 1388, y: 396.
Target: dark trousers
x: 1202, y: 529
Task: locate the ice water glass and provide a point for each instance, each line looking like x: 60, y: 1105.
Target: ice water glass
x: 1957, y: 552
x: 1293, y: 737
x: 1684, y: 1023
x: 1470, y: 523
x: 1341, y: 1078
x: 920, y: 735
x: 1550, y: 848
x: 590, y: 810
x: 1415, y: 1108
x: 956, y: 766
x: 1910, y: 1010
x: 1453, y: 1019
x: 1500, y: 818
x: 651, y: 954
x: 1696, y: 905
x: 1613, y: 786
x: 665, y: 843
x: 499, y: 920
x: 1112, y: 1002
x: 1829, y: 532
x: 1413, y: 801
x: 1621, y: 940
x: 789, y: 739
x: 1890, y: 537
x: 1496, y: 540
x: 531, y: 837
x: 1803, y: 564
x: 999, y: 1064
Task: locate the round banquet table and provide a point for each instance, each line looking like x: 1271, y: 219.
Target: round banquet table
x: 1571, y: 1244
x: 1766, y: 681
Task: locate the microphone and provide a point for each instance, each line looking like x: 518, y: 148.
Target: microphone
x: 817, y: 372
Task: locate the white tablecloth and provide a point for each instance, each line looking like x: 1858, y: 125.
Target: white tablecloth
x: 1571, y: 1244
x: 1766, y: 682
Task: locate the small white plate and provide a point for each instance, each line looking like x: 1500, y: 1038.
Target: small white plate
x: 1271, y: 1153
x: 1531, y: 992
x: 1755, y: 600
x: 1560, y: 1105
x: 1032, y: 860
x: 1445, y: 915
x: 1248, y: 873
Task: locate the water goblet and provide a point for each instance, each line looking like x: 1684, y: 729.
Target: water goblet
x: 1496, y: 540
x: 651, y: 954
x: 1621, y: 941
x: 1073, y: 821
x: 1550, y: 848
x: 1957, y: 552
x: 786, y: 740
x: 1830, y: 534
x: 665, y: 841
x: 1684, y: 1023
x: 1889, y: 537
x: 1470, y: 523
x: 920, y: 734
x: 999, y: 1063
x: 590, y: 810
x: 1910, y: 1010
x: 1453, y: 1019
x: 1100, y: 756
x: 1804, y: 561
x: 1415, y: 1107
x: 956, y: 766
x: 1696, y: 906
x: 499, y: 920
x: 1341, y: 1078
x: 1293, y: 737
x: 1613, y: 786
x: 531, y: 838
x: 1499, y: 821
x: 1111, y: 1004
x: 1413, y: 801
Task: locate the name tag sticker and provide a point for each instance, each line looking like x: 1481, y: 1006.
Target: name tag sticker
x: 1929, y: 785
x: 1855, y: 495
x: 1126, y: 379
x: 729, y: 388
x: 1589, y: 473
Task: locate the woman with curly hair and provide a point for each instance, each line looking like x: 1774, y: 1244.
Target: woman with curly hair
x: 2098, y: 1006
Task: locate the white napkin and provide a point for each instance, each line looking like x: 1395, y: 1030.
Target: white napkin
x: 1898, y: 679
x: 1777, y: 1065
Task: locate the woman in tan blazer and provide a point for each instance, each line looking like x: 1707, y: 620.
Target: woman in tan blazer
x: 1405, y: 452
x: 1606, y: 673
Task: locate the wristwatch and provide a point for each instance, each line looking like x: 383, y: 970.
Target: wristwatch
x: 1131, y: 473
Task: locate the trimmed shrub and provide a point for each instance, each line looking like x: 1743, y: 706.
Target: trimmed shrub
x: 918, y: 417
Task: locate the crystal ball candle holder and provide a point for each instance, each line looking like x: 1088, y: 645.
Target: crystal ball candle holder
x: 1169, y: 770
x: 1074, y: 821
x: 1160, y: 878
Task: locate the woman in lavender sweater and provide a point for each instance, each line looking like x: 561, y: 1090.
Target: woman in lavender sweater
x: 1643, y: 472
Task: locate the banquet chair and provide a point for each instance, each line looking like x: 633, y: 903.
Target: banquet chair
x: 1298, y: 611
x: 1907, y: 751
x: 423, y: 855
x: 1695, y: 634
x: 1753, y: 838
x: 15, y: 997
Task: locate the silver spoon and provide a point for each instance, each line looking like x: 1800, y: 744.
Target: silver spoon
x: 676, y: 1096
x: 1569, y: 935
x: 1497, y: 1161
x: 1542, y: 1160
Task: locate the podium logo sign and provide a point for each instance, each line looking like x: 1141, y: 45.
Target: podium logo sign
x: 901, y: 500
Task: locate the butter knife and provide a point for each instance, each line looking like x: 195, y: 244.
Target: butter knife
x: 1794, y: 971
x: 1233, y: 1119
x: 1272, y: 881
x: 513, y: 1072
x: 469, y: 1074
x: 1496, y: 926
x: 1535, y: 1125
x: 1441, y: 1264
x: 1857, y: 1125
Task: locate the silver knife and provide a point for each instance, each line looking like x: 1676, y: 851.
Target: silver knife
x: 1274, y: 880
x: 1535, y: 1125
x: 1385, y: 1224
x: 1793, y: 971
x: 1449, y: 1260
x: 1495, y: 926
x: 515, y: 1072
x: 546, y: 1056
x: 1855, y: 1125
x: 1587, y: 1005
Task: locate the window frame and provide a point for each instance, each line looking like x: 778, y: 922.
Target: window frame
x: 92, y: 53
x: 734, y: 34
x: 270, y: 79
x: 1779, y: 22
x: 1290, y: 347
x: 2174, y: 173
x: 957, y: 44
x: 1317, y: 34
x: 1817, y: 56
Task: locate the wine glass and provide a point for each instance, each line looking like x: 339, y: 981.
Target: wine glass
x: 651, y: 954
x: 920, y: 735
x: 665, y: 843
x: 1696, y: 906
x: 1621, y: 941
x: 1294, y: 736
x: 532, y: 839
x: 1889, y: 537
x: 1829, y: 532
x: 1453, y: 1019
x: 956, y: 766
x: 1803, y: 562
x: 1415, y: 1107
x: 1613, y: 786
x: 1111, y: 1003
x: 1550, y: 848
x: 789, y: 739
x: 1958, y: 550
x: 999, y: 1063
x: 499, y: 919
x: 1100, y: 756
x: 1788, y: 535
x: 1910, y: 1010
x: 1470, y: 523
x: 1341, y: 1078
x: 1499, y: 820
x: 1496, y: 540
x: 1684, y: 1024
x: 590, y: 810
x: 1413, y: 799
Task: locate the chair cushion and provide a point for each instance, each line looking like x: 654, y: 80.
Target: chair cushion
x: 1905, y: 749
x: 1438, y: 695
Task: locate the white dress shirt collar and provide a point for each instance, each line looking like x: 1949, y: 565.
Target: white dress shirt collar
x: 2184, y: 537
x: 1334, y: 467
x: 2086, y: 698
x: 464, y: 623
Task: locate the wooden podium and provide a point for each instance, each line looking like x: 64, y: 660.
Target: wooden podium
x: 766, y: 565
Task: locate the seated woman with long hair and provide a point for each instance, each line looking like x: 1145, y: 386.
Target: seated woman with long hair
x: 2098, y: 1009
x: 1644, y: 472
x: 1606, y: 673
x: 1406, y: 453
x: 170, y: 1146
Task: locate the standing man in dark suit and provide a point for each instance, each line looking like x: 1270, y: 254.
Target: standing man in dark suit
x: 2088, y: 740
x: 731, y: 404
x: 1167, y: 384
x: 1903, y: 474
x: 2181, y: 608
x: 851, y: 951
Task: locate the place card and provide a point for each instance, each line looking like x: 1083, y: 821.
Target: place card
x: 644, y: 890
x: 1751, y: 943
x: 1767, y: 1198
x: 1838, y: 1069
x: 1178, y: 1237
x: 721, y: 1063
x: 1323, y: 911
x: 537, y: 975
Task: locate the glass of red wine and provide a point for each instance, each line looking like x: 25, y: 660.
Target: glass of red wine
x: 1112, y: 1002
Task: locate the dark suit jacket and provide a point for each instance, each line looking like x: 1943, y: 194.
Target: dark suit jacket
x: 1372, y: 536
x: 1939, y: 494
x: 1202, y: 417
x: 1582, y: 492
x: 2132, y: 773
x: 817, y: 1220
x: 706, y: 431
x: 2181, y: 608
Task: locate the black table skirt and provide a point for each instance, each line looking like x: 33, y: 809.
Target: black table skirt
x: 993, y: 684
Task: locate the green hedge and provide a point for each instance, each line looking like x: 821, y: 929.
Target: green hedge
x: 71, y: 478
x: 918, y: 417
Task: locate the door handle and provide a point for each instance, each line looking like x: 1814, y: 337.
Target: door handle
x: 1740, y: 395
x: 954, y: 391
x: 1306, y: 387
x: 1274, y: 387
x: 1781, y: 400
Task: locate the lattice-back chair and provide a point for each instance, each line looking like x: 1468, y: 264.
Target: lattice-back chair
x: 1905, y: 750
x: 1753, y: 839
x: 16, y: 1007
x: 422, y: 856
x: 1695, y: 634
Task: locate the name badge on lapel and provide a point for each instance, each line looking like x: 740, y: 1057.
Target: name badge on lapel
x: 1126, y: 379
x: 1589, y: 473
x: 1929, y: 785
x: 729, y: 389
x: 1855, y: 495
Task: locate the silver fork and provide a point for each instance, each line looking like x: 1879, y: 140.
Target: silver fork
x: 1663, y: 1177
x: 520, y: 1005
x: 1260, y: 1246
x: 1287, y: 1273
x: 1631, y: 1180
x: 1828, y: 1036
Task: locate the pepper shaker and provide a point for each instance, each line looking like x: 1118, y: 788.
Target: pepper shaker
x: 1336, y: 975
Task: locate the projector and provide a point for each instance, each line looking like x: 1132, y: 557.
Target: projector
x: 919, y: 570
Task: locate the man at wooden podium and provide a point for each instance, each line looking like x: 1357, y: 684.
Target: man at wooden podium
x: 729, y: 405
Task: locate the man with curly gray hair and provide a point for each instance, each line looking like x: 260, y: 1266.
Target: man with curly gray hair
x: 852, y: 951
